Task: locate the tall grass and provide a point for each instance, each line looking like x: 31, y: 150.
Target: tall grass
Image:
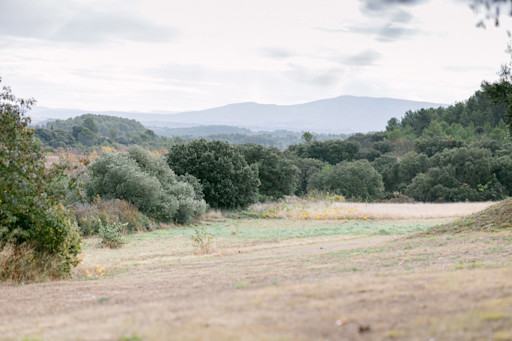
x: 21, y: 263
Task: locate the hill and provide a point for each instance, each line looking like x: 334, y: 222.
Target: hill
x: 344, y: 114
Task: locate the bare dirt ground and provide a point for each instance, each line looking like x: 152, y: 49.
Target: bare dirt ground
x: 306, y: 283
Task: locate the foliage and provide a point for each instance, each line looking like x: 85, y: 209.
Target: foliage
x: 144, y: 180
x: 356, y: 180
x: 110, y: 234
x: 227, y: 180
x: 31, y: 195
x: 333, y: 151
x: 278, y: 175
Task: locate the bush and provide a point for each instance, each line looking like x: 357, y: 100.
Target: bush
x: 32, y: 216
x: 356, y: 180
x: 144, y: 180
x: 90, y: 216
x: 227, y: 180
x: 110, y: 234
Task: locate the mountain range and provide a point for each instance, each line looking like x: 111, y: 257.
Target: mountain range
x: 344, y: 114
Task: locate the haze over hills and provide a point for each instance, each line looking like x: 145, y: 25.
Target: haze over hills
x: 344, y: 114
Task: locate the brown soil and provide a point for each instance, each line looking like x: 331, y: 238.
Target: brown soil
x: 423, y: 287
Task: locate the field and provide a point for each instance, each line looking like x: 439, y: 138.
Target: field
x: 384, y: 275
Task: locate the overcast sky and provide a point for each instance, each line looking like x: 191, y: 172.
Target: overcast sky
x: 142, y: 55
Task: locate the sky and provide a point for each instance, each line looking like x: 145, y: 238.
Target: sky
x: 145, y: 55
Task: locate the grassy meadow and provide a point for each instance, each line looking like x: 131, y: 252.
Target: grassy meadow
x: 295, y: 271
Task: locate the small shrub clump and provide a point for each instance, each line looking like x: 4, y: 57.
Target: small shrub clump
x: 203, y: 239
x: 110, y: 234
x: 90, y: 216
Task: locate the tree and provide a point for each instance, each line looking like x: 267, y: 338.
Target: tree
x: 227, y: 180
x: 307, y: 137
x: 501, y: 91
x: 32, y: 216
x: 278, y: 175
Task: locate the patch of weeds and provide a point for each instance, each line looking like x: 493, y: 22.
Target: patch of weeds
x: 130, y: 337
x: 383, y: 232
x: 502, y: 336
x: 394, y: 333
x: 111, y: 234
x: 494, y: 316
x: 203, y: 239
x: 102, y: 299
x: 240, y: 285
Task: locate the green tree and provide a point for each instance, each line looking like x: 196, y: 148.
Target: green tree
x: 278, y: 175
x: 31, y: 195
x: 501, y: 91
x: 227, y: 180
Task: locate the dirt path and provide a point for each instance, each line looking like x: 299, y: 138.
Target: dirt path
x: 336, y: 287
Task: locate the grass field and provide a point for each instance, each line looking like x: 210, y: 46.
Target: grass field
x: 280, y: 279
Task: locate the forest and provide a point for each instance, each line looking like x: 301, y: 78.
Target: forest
x: 457, y: 153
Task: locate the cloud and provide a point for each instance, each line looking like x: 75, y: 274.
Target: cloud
x: 276, y: 53
x: 365, y: 58
x: 325, y: 77
x: 70, y: 21
x: 386, y: 5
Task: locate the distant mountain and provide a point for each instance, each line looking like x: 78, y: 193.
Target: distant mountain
x: 344, y: 114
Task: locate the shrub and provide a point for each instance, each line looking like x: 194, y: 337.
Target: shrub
x: 227, y: 180
x: 203, y: 239
x: 90, y: 216
x: 32, y: 216
x: 356, y: 180
x: 110, y: 234
x: 144, y: 180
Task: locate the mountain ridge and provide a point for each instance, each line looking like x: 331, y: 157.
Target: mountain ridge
x: 342, y: 114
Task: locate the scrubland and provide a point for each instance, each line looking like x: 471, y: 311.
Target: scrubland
x: 357, y: 272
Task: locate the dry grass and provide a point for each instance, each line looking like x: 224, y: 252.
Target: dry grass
x: 320, y: 210
x: 19, y: 263
x: 277, y: 286
x: 212, y: 215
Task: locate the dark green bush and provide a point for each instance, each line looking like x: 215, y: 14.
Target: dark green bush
x: 278, y: 175
x: 227, y: 180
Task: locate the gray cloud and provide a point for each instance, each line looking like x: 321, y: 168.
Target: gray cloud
x: 386, y: 5
x: 387, y: 32
x: 323, y: 78
x: 276, y: 53
x: 365, y: 58
x: 392, y: 20
x: 68, y: 21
